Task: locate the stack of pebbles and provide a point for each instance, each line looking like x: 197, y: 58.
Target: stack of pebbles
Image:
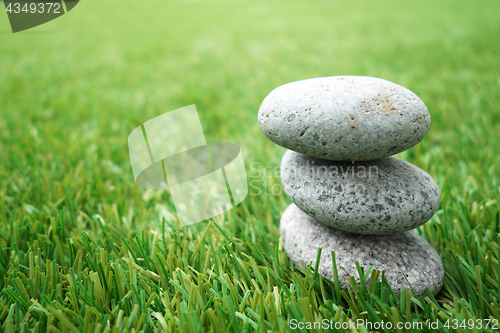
x: 349, y: 194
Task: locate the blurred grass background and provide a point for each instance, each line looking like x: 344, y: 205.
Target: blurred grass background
x: 73, y: 89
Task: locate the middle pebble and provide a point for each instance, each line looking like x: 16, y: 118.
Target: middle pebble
x: 377, y: 197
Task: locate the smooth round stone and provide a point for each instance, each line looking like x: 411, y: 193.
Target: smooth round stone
x: 402, y: 256
x: 378, y: 197
x: 344, y: 118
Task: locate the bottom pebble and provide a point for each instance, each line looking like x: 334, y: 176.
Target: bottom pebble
x: 404, y: 256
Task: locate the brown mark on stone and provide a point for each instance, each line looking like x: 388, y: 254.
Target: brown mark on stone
x: 382, y: 104
x: 388, y: 108
x: 363, y: 107
x: 352, y: 124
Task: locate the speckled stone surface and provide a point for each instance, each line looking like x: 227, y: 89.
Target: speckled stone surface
x: 400, y: 255
x: 344, y: 118
x: 380, y: 197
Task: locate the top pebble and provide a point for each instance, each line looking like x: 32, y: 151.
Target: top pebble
x: 344, y: 118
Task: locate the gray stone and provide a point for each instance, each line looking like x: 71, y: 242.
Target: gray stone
x: 344, y: 118
x: 402, y: 256
x: 384, y: 196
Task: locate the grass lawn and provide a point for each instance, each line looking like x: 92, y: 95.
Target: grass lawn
x: 82, y: 248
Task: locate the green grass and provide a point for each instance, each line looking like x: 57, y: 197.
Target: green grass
x: 82, y: 248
